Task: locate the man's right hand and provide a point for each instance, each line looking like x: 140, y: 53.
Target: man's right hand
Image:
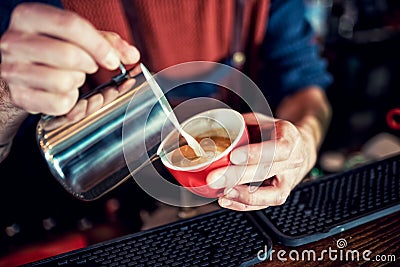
x: 47, y: 52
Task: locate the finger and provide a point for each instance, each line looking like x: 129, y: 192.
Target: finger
x: 126, y: 86
x: 278, y: 149
x: 255, y: 153
x: 128, y: 53
x: 78, y: 112
x: 65, y: 25
x: 94, y: 103
x: 235, y: 205
x: 272, y: 195
x: 46, y: 50
x: 112, y: 93
x: 230, y: 176
x: 43, y: 77
x: 135, y: 71
x: 109, y: 94
x: 54, y: 123
x: 225, y: 177
x: 255, y: 118
x: 50, y: 104
x: 259, y: 126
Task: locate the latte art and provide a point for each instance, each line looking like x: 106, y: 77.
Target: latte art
x: 184, y: 156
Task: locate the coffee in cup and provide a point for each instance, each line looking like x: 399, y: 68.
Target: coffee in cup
x: 218, y: 131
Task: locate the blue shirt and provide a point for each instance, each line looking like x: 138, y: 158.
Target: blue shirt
x: 291, y: 56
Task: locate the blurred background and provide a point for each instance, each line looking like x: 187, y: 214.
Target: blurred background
x: 360, y: 40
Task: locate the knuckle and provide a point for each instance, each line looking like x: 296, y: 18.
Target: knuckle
x: 20, y: 11
x: 64, y: 83
x: 287, y: 129
x: 6, y: 41
x: 266, y: 168
x: 285, y: 143
x: 102, y: 49
x: 280, y: 198
x: 75, y: 58
x: 282, y: 124
x: 283, y: 196
x: 69, y: 21
x: 285, y: 148
x: 277, y: 200
x: 113, y: 36
x: 252, y: 198
x: 74, y: 81
x: 16, y: 97
x: 299, y: 161
x: 9, y: 70
x: 70, y: 56
x: 19, y: 97
x: 80, y: 78
x: 73, y: 116
x: 256, y: 154
x: 64, y: 104
x: 10, y: 41
x: 286, y: 124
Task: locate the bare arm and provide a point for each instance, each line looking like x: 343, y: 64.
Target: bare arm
x: 11, y: 118
x: 278, y: 164
x: 310, y: 111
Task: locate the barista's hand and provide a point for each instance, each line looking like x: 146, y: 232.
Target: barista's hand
x: 47, y: 52
x: 274, y: 167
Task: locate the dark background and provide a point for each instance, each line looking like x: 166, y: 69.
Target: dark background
x: 362, y: 48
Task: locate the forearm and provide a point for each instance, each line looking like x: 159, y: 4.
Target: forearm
x: 11, y: 119
x: 310, y: 111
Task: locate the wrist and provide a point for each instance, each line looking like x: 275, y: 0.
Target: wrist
x: 311, y: 130
x: 311, y: 133
x: 309, y: 109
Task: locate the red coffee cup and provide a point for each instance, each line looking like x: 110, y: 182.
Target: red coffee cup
x: 224, y: 122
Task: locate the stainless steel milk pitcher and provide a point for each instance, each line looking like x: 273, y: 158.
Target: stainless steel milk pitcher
x: 87, y: 156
